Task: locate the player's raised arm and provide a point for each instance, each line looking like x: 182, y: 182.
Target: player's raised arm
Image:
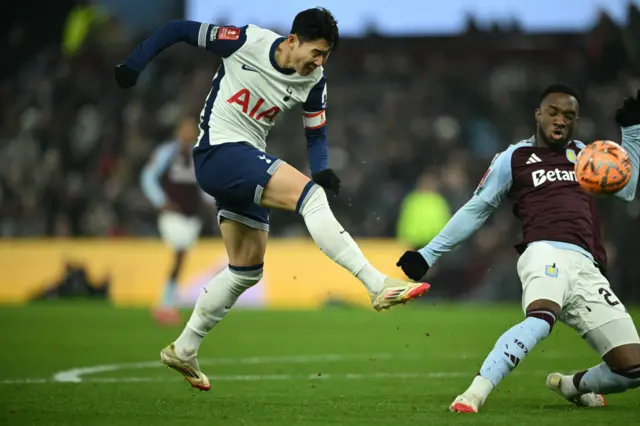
x: 628, y: 118
x: 315, y: 129
x: 152, y: 172
x: 222, y: 41
x: 492, y: 189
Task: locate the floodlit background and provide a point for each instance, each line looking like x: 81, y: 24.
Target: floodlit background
x: 421, y: 97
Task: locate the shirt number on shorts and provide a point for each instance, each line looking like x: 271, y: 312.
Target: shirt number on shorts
x: 607, y: 296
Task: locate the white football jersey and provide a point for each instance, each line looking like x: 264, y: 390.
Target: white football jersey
x: 250, y: 91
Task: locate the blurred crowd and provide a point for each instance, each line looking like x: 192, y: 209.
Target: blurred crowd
x: 402, y: 111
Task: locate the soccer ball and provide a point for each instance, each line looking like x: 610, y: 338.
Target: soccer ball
x: 603, y: 167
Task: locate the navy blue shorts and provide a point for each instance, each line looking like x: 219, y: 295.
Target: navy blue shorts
x: 235, y: 174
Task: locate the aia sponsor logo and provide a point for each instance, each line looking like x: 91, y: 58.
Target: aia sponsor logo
x: 254, y: 109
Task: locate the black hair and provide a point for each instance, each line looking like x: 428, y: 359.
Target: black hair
x: 316, y: 24
x: 561, y: 88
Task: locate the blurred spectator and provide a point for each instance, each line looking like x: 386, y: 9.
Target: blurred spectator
x: 423, y: 213
x: 84, y: 17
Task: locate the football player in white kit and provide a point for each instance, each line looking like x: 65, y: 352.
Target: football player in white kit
x: 262, y: 74
x: 168, y: 180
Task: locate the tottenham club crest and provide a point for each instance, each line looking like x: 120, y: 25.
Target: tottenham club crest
x: 571, y: 155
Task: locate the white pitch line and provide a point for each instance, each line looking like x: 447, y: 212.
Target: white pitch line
x: 278, y: 377
x: 23, y: 381
x: 75, y: 375
x: 257, y: 378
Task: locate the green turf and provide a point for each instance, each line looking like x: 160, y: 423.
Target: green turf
x: 276, y: 368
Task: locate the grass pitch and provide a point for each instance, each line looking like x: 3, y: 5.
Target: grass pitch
x: 87, y: 363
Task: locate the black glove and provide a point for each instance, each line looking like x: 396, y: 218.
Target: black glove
x: 328, y: 180
x: 125, y: 76
x: 629, y: 113
x: 413, y: 265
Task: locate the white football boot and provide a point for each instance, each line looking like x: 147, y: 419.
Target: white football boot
x: 554, y: 382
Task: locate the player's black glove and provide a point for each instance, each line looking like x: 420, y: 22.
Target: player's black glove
x: 328, y: 180
x: 629, y: 113
x: 413, y: 265
x: 125, y: 76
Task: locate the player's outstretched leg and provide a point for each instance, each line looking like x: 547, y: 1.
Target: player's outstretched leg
x: 507, y: 354
x: 619, y: 345
x: 289, y: 189
x: 245, y: 248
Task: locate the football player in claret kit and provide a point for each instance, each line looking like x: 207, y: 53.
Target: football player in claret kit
x: 562, y: 259
x: 168, y: 180
x: 262, y: 74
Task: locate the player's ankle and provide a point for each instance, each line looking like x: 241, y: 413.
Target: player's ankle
x: 481, y: 386
x: 185, y: 352
x: 371, y: 278
x: 187, y: 344
x: 576, y: 378
x: 568, y: 388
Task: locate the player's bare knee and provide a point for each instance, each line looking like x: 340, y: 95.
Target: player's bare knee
x: 546, y: 310
x: 178, y: 259
x: 624, y: 360
x: 284, y: 188
x: 246, y: 256
x: 245, y: 246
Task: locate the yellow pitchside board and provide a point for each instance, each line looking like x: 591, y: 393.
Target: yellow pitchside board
x: 297, y: 274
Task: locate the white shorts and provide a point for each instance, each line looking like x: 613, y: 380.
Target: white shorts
x: 611, y: 335
x: 572, y: 281
x: 178, y: 231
